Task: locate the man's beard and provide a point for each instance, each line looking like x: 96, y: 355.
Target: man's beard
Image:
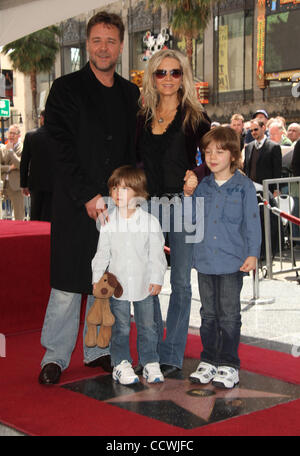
x: 110, y: 66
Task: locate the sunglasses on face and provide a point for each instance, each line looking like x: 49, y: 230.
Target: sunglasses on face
x: 176, y: 73
x: 254, y: 129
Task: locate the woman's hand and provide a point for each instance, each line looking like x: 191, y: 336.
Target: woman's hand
x: 190, y: 183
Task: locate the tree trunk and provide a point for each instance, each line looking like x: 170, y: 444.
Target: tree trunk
x: 189, y: 50
x: 33, y: 84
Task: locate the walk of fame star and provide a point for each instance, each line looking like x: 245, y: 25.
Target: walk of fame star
x: 189, y: 405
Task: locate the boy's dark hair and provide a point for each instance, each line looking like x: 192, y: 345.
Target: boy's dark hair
x: 103, y: 17
x: 227, y: 139
x: 134, y: 178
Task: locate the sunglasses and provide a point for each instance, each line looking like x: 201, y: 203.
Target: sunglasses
x: 176, y: 73
x: 254, y: 129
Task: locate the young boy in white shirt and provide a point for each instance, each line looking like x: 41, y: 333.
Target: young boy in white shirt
x: 131, y: 246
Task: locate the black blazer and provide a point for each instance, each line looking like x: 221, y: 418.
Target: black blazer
x: 36, y: 167
x: 76, y: 118
x: 296, y: 159
x: 269, y: 162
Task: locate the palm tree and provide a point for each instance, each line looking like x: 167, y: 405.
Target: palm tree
x: 189, y: 18
x: 33, y: 54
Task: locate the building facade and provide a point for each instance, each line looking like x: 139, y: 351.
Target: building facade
x: 248, y: 57
x: 244, y: 56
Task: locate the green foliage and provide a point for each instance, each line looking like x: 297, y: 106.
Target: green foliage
x: 35, y: 52
x: 188, y: 17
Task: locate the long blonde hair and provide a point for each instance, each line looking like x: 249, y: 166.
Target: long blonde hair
x: 149, y: 99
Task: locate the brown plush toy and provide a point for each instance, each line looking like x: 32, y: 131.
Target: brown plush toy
x: 100, y: 313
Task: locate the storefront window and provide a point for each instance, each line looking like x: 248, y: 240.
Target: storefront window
x: 248, y: 37
x: 199, y: 57
x: 233, y: 34
x: 282, y: 29
x: 73, y: 59
x: 138, y: 51
x: 73, y: 45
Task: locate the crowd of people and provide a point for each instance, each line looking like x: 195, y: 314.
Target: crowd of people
x: 274, y: 129
x: 108, y: 139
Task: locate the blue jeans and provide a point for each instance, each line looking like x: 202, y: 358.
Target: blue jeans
x: 171, y: 349
x: 146, y: 329
x: 60, y: 329
x: 220, y: 318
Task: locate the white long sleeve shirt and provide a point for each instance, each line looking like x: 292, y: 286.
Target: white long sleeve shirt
x: 133, y: 250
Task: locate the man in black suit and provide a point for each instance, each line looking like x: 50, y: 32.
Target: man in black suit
x: 36, y: 171
x: 92, y: 116
x: 263, y: 158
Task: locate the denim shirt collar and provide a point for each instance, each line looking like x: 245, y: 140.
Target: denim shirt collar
x: 211, y: 180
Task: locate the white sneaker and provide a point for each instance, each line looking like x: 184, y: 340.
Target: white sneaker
x: 124, y: 374
x: 226, y: 377
x: 152, y: 373
x: 204, y: 374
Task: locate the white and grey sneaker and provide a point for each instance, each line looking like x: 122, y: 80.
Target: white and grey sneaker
x: 124, y: 374
x: 226, y: 377
x: 204, y: 374
x: 152, y: 373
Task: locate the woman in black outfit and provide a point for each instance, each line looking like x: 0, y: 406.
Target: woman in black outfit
x: 171, y: 123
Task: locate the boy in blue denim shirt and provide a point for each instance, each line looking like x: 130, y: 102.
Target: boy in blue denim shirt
x: 230, y: 247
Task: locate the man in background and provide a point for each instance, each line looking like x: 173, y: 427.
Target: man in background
x: 263, y: 159
x: 10, y: 155
x: 277, y: 134
x: 36, y: 171
x: 237, y: 124
x: 261, y: 115
x: 293, y: 132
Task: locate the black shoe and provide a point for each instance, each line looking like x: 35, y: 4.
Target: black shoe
x: 167, y: 370
x: 50, y: 374
x: 103, y: 361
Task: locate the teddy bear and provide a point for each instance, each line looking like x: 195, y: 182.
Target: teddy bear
x: 100, y: 313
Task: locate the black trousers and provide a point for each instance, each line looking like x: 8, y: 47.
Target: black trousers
x: 41, y: 203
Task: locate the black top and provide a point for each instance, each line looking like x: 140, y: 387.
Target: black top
x: 75, y: 117
x: 116, y: 124
x: 165, y: 158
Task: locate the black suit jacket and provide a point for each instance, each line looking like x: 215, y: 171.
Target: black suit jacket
x: 36, y: 167
x: 296, y: 159
x: 76, y: 117
x: 269, y: 162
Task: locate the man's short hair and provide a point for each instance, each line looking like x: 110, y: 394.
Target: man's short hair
x: 16, y: 127
x: 260, y: 123
x: 237, y: 117
x: 278, y: 125
x: 103, y: 17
